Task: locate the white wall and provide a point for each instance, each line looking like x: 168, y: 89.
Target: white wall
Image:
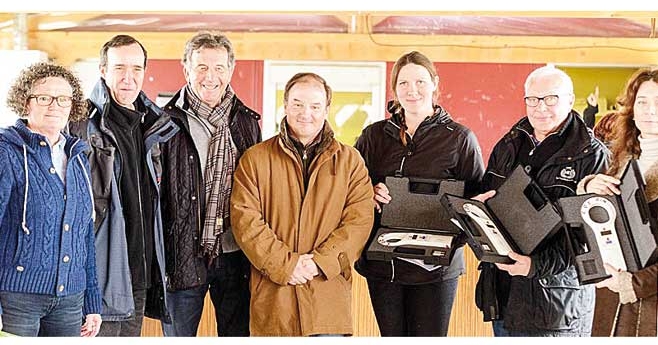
x: 11, y: 63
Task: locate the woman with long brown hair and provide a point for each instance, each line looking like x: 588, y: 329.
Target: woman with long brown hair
x: 626, y: 302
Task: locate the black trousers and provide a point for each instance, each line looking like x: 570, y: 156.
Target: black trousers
x: 130, y: 328
x: 413, y: 310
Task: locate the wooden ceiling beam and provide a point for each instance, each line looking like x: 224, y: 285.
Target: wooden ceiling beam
x: 66, y: 48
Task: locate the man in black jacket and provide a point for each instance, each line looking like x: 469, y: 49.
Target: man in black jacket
x: 539, y: 295
x: 201, y: 252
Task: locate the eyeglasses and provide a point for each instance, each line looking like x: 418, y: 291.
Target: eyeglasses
x: 46, y: 100
x: 549, y: 100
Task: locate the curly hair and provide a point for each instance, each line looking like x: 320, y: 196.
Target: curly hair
x: 21, y: 90
x: 625, y: 131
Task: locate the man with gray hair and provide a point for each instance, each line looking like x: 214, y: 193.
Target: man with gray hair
x: 201, y: 252
x: 539, y: 295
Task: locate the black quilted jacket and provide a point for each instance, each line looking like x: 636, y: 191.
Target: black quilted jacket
x: 183, y: 191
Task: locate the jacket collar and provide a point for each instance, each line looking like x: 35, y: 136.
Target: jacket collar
x: 20, y: 135
x: 100, y: 98
x: 179, y: 101
x: 325, y: 140
x: 392, y: 127
x: 574, y: 130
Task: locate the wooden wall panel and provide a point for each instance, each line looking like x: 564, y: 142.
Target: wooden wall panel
x: 466, y: 319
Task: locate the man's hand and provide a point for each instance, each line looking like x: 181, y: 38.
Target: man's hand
x: 520, y: 268
x: 484, y: 196
x: 381, y: 196
x: 91, y: 326
x: 304, y: 271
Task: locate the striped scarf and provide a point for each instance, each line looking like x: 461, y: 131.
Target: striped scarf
x: 218, y: 176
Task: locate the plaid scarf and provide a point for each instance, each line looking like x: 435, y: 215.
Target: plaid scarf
x: 218, y: 176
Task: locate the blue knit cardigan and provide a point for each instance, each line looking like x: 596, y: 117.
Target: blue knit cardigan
x: 46, y: 240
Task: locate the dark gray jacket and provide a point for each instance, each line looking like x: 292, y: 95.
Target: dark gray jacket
x: 106, y: 168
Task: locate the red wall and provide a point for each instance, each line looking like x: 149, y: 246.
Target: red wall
x: 167, y: 76
x: 487, y: 98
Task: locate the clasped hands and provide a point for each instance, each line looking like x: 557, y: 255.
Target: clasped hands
x: 304, y: 271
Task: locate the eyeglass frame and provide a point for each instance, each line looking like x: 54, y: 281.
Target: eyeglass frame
x: 52, y: 99
x: 539, y: 99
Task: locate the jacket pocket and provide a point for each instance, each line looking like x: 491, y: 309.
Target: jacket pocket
x: 564, y: 302
x: 101, y: 164
x: 345, y: 267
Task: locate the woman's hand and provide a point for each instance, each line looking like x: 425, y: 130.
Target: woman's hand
x: 91, y: 326
x: 603, y: 185
x: 381, y: 196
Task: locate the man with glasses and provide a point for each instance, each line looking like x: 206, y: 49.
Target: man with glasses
x: 539, y: 295
x: 125, y: 130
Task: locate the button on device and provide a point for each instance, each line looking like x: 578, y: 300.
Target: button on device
x: 52, y: 170
x: 66, y: 258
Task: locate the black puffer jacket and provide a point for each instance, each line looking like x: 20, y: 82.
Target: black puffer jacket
x: 440, y: 149
x: 184, y: 194
x: 550, y: 299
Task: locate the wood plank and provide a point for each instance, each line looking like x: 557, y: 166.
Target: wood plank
x: 466, y: 319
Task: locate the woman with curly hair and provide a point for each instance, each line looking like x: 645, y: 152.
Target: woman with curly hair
x: 48, y: 279
x: 626, y: 302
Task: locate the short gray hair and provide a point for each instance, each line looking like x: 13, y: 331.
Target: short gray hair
x: 208, y: 40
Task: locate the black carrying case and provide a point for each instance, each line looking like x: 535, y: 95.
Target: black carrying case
x: 415, y: 216
x: 634, y: 228
x: 522, y: 214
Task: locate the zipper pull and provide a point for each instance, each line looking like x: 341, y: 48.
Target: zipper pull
x: 531, y: 152
x: 304, y: 156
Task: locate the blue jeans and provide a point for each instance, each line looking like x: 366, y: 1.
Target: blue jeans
x: 499, y: 328
x: 228, y: 283
x: 412, y: 310
x: 31, y: 315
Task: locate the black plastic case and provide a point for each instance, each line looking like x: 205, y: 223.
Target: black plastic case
x: 636, y: 234
x: 415, y: 209
x: 521, y: 213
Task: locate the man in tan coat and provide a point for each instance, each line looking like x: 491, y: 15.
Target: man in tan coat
x: 301, y: 210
